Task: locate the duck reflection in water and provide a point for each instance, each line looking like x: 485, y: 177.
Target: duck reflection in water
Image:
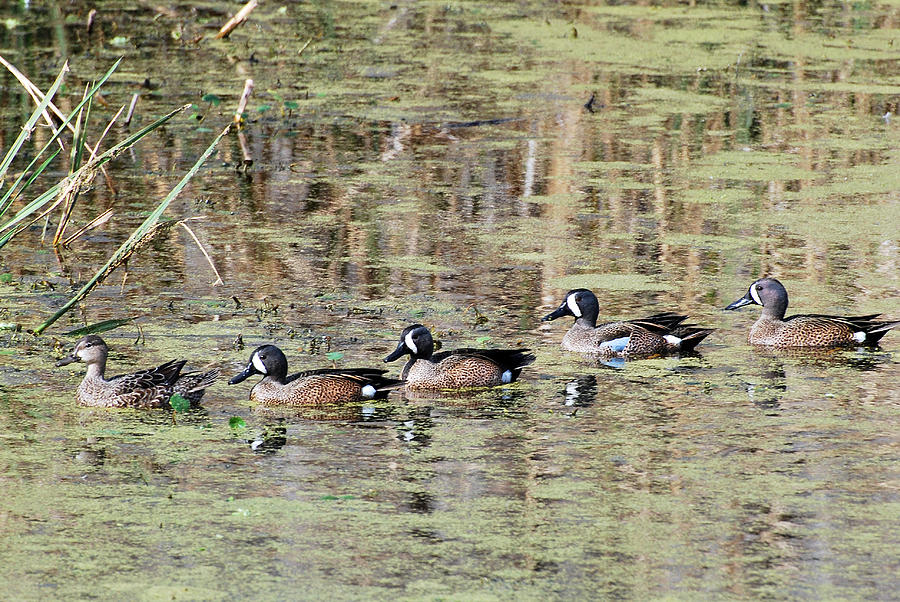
x: 581, y: 392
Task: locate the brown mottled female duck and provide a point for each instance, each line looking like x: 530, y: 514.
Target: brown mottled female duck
x: 805, y: 330
x: 151, y: 388
x: 314, y: 387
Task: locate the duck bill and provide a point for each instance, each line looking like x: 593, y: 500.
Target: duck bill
x: 397, y: 353
x: 67, y: 360
x: 745, y: 300
x: 562, y: 310
x: 248, y: 372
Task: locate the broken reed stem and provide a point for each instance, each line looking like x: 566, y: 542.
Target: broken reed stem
x: 245, y: 151
x: 236, y: 20
x: 242, y: 104
x: 97, y: 221
x: 202, y: 250
x: 133, y: 104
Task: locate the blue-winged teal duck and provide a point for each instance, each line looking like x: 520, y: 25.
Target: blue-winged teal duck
x: 313, y: 387
x: 151, y: 388
x: 654, y: 335
x: 457, y: 369
x: 805, y: 330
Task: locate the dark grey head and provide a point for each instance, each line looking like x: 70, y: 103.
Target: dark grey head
x: 581, y: 304
x: 415, y: 340
x: 90, y: 350
x: 767, y: 292
x: 267, y: 360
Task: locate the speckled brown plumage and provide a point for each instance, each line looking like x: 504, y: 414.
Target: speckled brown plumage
x: 314, y: 387
x: 659, y: 334
x: 151, y: 388
x: 457, y: 369
x: 805, y: 330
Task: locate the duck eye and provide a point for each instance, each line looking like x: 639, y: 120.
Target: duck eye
x: 759, y: 287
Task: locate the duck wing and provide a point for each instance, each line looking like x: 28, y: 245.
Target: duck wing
x: 356, y: 374
x: 147, y: 387
x: 504, y: 358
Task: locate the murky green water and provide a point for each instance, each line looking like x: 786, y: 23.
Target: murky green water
x: 433, y: 162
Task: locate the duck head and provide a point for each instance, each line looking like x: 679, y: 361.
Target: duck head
x: 415, y: 340
x: 90, y: 350
x: 267, y: 360
x: 581, y: 304
x: 767, y: 292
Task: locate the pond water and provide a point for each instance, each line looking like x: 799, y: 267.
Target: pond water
x: 434, y: 162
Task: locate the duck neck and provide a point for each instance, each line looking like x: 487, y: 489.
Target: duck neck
x: 95, y: 370
x: 775, y: 310
x: 587, y: 321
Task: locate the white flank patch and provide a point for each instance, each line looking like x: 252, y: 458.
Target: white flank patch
x: 506, y: 377
x: 257, y: 363
x: 368, y: 391
x: 573, y: 306
x: 754, y: 294
x: 671, y: 339
x: 859, y: 337
x: 410, y: 344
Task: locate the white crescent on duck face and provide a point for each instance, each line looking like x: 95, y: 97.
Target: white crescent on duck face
x: 409, y: 343
x: 755, y: 295
x: 573, y: 305
x: 257, y: 363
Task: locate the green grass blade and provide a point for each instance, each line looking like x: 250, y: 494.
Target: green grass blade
x: 27, y: 210
x: 81, y: 135
x: 17, y: 145
x: 94, y: 164
x: 78, y: 142
x: 29, y: 125
x: 99, y: 327
x: 7, y: 200
x: 133, y: 241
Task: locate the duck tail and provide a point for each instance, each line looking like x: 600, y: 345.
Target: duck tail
x: 519, y: 358
x: 384, y: 385
x: 875, y: 330
x: 692, y: 337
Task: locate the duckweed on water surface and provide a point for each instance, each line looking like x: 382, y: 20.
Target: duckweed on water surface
x: 434, y: 163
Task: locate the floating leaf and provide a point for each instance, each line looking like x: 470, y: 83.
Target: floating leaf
x: 236, y: 422
x: 99, y: 327
x: 291, y: 104
x: 212, y: 99
x: 263, y: 108
x: 119, y: 41
x: 179, y: 403
x: 334, y: 355
x: 6, y: 278
x: 482, y: 340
